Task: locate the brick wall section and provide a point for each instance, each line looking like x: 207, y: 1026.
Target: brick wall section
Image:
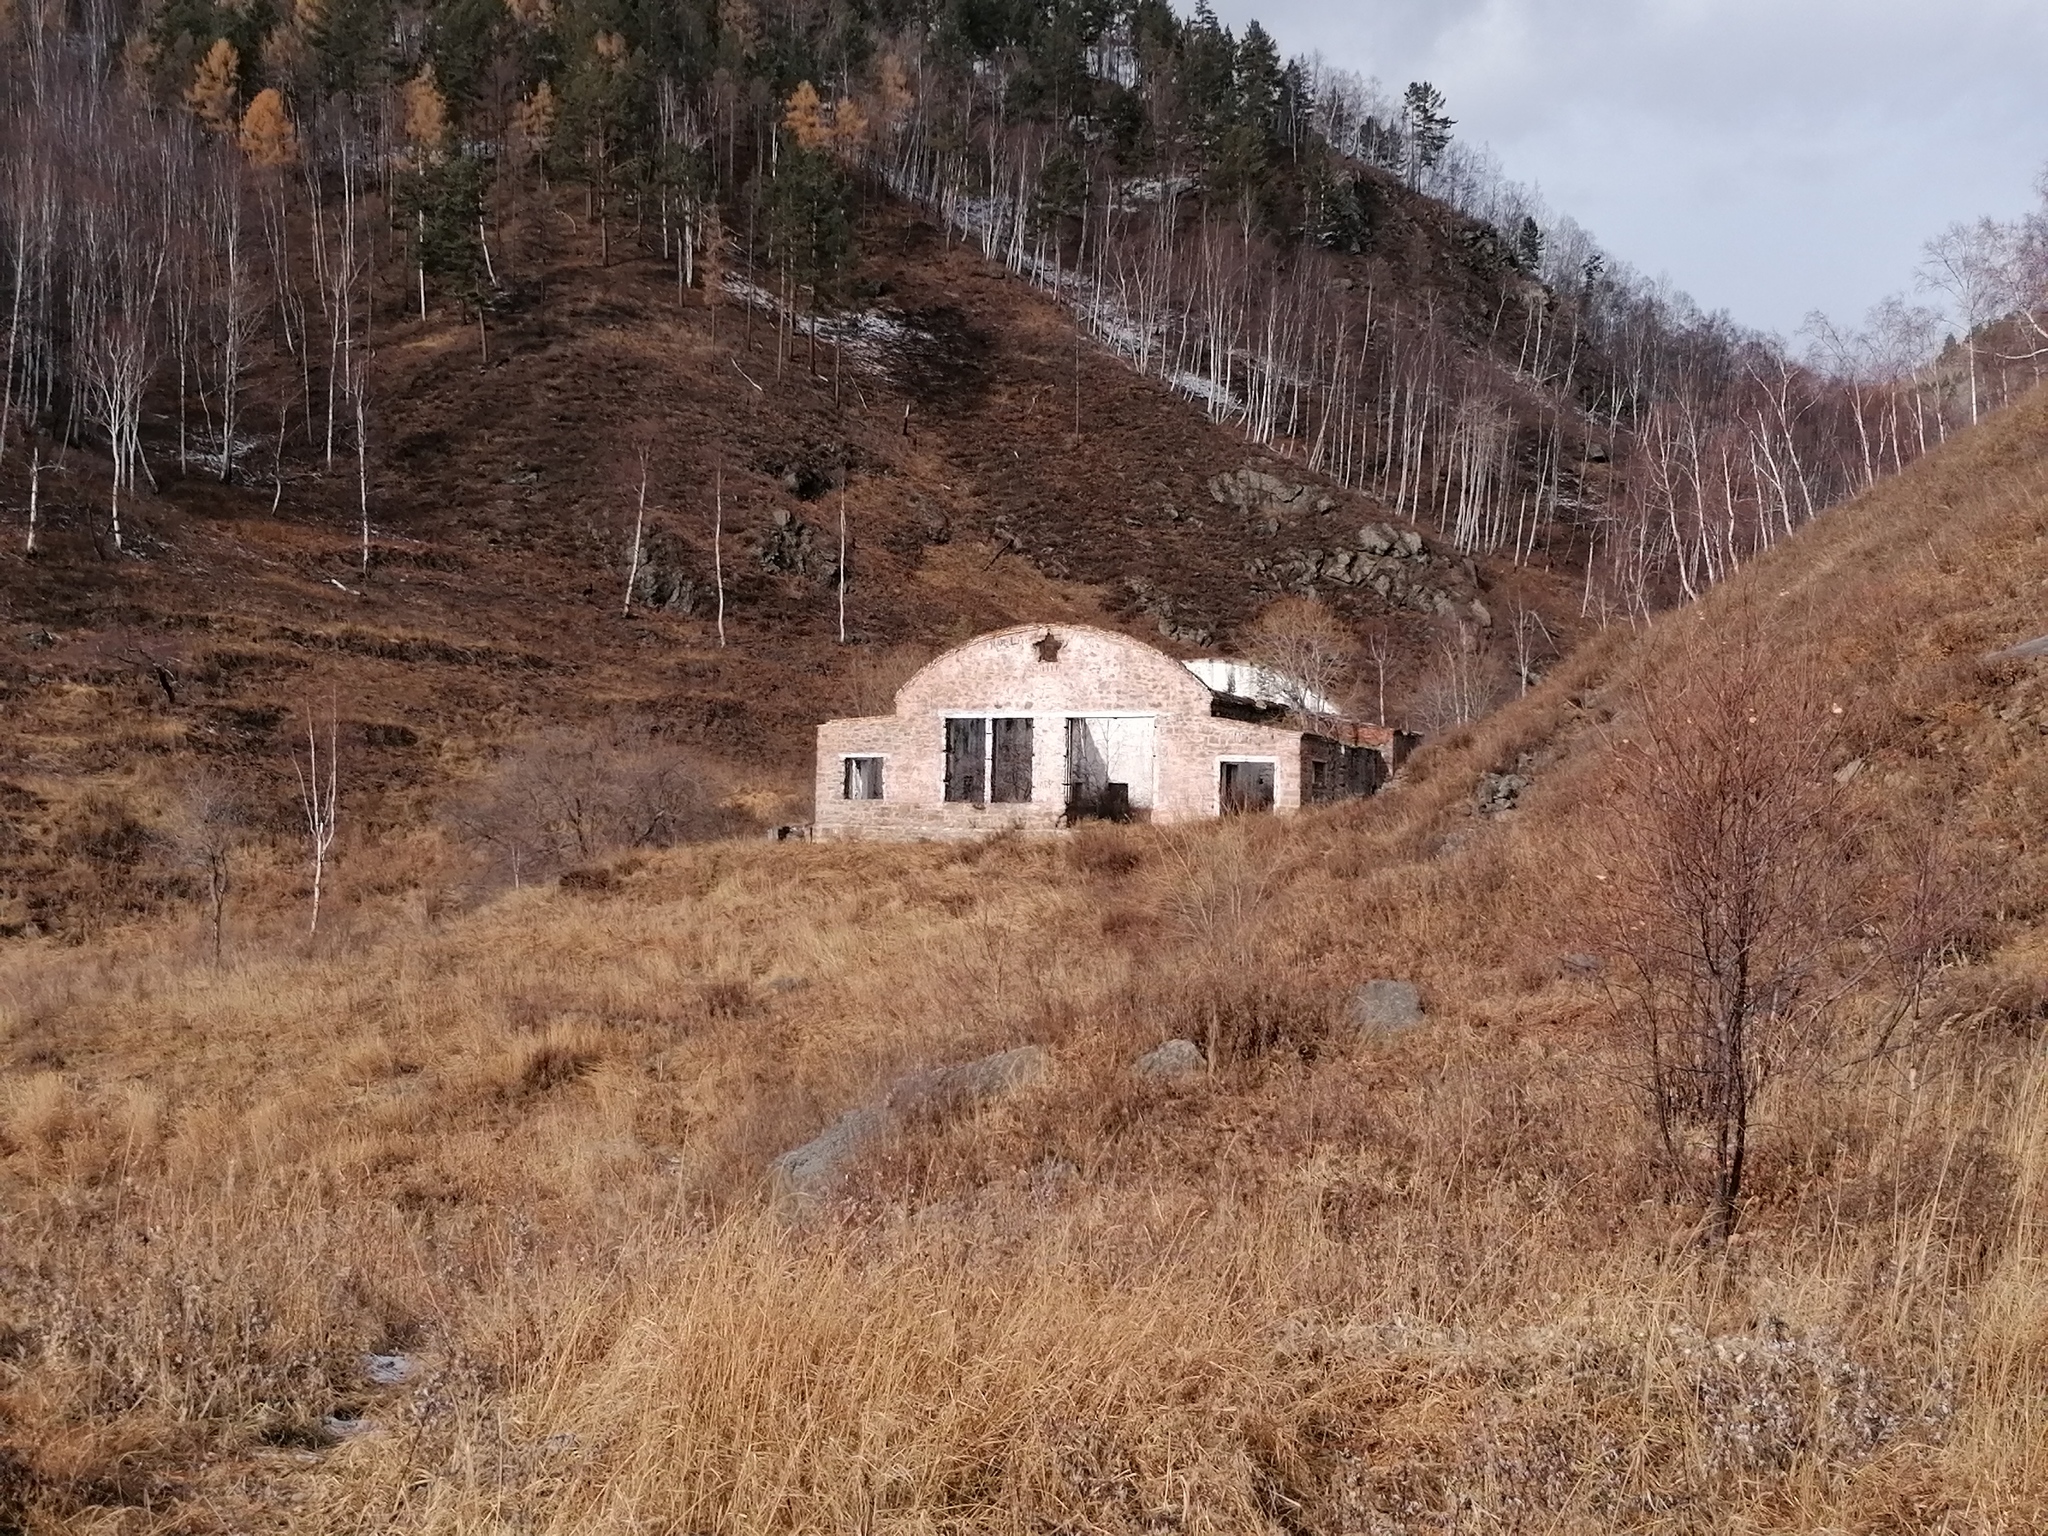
x: 1000, y: 674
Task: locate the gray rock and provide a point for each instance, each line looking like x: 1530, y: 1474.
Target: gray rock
x: 1376, y: 539
x: 808, y: 1171
x: 1411, y: 542
x: 1386, y: 1007
x: 1582, y: 965
x: 1176, y: 1058
x: 390, y: 1370
x: 1500, y: 791
x: 969, y: 1082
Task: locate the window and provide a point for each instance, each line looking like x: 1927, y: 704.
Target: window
x: 967, y: 760
x: 863, y: 778
x: 1009, y: 778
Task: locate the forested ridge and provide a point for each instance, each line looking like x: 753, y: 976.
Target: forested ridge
x: 198, y: 195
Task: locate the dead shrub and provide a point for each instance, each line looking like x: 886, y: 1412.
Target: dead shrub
x: 566, y: 798
x: 1099, y: 850
x: 727, y: 998
x: 561, y: 1056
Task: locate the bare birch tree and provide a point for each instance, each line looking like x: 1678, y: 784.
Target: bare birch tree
x: 318, y: 803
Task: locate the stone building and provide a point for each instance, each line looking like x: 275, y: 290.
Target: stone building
x: 1045, y: 725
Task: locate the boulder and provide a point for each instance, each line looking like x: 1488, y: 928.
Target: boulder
x: 808, y: 1172
x: 969, y: 1082
x: 1377, y: 539
x: 1176, y: 1058
x: 1248, y: 489
x: 1386, y: 1007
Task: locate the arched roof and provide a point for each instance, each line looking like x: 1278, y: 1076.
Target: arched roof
x: 1091, y: 670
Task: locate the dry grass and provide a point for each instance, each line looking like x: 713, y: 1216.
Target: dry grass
x: 1432, y: 1284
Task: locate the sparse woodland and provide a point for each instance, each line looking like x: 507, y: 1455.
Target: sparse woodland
x: 197, y: 197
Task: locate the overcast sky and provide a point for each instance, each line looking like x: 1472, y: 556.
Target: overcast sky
x: 1771, y: 157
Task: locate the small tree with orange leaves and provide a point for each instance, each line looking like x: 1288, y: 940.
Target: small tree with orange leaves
x: 268, y: 138
x: 215, y: 84
x: 803, y: 118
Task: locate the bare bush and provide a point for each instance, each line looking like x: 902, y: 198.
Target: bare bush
x: 1462, y: 682
x: 1742, y: 901
x: 570, y: 795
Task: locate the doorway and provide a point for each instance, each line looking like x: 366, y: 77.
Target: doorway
x: 1244, y: 786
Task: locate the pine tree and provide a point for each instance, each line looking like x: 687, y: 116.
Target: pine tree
x: 1259, y: 80
x: 1529, y: 244
x: 1429, y: 130
x: 214, y: 85
x: 268, y: 138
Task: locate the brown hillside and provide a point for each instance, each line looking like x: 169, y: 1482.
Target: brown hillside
x: 1331, y: 1283
x: 503, y: 496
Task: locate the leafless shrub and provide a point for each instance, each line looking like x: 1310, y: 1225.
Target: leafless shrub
x: 208, y: 830
x: 1462, y: 681
x: 567, y: 796
x: 1742, y: 900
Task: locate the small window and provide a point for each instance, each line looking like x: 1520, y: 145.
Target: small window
x: 1048, y: 647
x: 863, y: 778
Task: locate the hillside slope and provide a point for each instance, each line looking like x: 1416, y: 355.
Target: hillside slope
x: 1333, y: 1282
x: 994, y: 467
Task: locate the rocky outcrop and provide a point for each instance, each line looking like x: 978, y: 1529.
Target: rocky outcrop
x: 1395, y: 563
x: 1500, y: 792
x: 1255, y: 491
x: 663, y: 580
x: 792, y: 547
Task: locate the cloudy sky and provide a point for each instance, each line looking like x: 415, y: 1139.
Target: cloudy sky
x: 1771, y: 157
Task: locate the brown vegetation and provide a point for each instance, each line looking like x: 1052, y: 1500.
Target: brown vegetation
x: 1440, y: 1282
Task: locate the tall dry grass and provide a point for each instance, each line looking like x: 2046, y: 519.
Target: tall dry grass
x: 1333, y: 1283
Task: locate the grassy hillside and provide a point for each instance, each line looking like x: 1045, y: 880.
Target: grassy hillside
x: 1331, y: 1283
